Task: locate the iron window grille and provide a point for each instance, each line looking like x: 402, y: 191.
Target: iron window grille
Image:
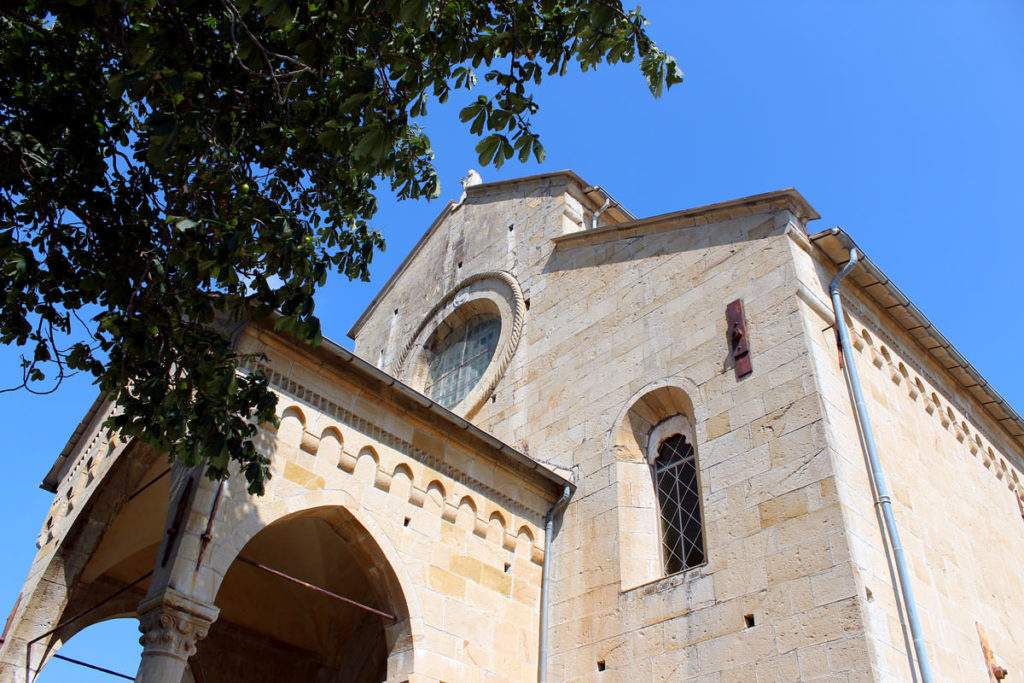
x: 675, y: 479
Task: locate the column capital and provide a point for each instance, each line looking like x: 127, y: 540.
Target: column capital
x: 172, y: 623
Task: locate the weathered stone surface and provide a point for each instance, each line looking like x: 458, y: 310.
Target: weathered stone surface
x: 620, y: 342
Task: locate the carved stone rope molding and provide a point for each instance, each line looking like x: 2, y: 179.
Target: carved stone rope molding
x: 495, y: 372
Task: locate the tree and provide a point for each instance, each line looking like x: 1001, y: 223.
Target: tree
x: 170, y: 168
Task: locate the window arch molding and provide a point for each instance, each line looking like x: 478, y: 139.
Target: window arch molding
x: 653, y: 415
x: 677, y: 424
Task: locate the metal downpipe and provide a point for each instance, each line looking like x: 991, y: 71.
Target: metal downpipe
x: 549, y: 527
x: 871, y: 453
x: 597, y: 214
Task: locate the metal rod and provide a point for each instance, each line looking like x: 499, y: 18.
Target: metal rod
x: 14, y: 610
x: 208, y: 534
x: 861, y: 415
x: 122, y: 589
x: 150, y: 483
x: 318, y: 589
x: 179, y: 515
x: 94, y: 667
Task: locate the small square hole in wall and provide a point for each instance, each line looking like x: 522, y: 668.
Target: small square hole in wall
x: 868, y: 594
x: 748, y: 619
x: 600, y: 665
x: 508, y: 567
x: 407, y: 520
x: 527, y: 303
x: 460, y: 264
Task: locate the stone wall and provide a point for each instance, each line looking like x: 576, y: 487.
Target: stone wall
x: 611, y: 339
x: 776, y: 598
x: 954, y: 476
x: 621, y: 319
x: 465, y: 531
x: 447, y: 534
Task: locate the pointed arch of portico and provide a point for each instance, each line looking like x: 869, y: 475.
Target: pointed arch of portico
x: 108, y: 506
x: 253, y: 518
x: 341, y: 510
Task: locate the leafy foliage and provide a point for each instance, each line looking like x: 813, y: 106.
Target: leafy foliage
x: 169, y: 169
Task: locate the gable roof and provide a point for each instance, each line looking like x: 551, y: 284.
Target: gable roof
x: 616, y: 209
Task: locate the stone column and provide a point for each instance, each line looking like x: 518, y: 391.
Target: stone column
x: 171, y: 624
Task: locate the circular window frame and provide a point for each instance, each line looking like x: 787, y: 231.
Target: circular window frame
x: 493, y: 293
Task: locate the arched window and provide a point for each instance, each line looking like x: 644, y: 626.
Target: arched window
x: 675, y: 480
x: 461, y: 359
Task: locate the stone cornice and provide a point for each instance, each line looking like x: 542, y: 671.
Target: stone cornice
x: 409, y: 402
x: 788, y: 199
x: 343, y: 361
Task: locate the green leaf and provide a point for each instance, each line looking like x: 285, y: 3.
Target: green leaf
x: 225, y: 162
x: 487, y: 147
x: 414, y: 12
x: 538, y: 151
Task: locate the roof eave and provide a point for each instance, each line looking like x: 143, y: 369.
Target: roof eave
x: 788, y: 198
x: 53, y: 477
x: 835, y: 244
x: 378, y: 376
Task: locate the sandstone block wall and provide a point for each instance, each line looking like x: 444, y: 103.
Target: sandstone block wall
x: 955, y: 479
x: 452, y: 531
x: 622, y: 320
x: 620, y: 334
x: 777, y: 596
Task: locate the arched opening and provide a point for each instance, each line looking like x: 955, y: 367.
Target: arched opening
x: 659, y: 526
x: 97, y: 573
x: 112, y: 645
x: 129, y: 546
x: 274, y: 628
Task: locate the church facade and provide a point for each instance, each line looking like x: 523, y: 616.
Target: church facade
x: 570, y: 445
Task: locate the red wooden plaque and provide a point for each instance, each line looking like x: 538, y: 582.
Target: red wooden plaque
x: 738, y: 341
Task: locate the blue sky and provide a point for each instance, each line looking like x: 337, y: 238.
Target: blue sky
x: 900, y: 122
